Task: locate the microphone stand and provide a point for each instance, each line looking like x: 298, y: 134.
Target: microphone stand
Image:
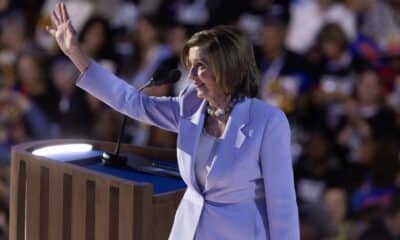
x: 115, y: 159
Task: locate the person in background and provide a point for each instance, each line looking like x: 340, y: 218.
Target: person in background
x: 14, y: 33
x: 285, y: 74
x: 21, y: 120
x: 393, y: 100
x: 392, y: 218
x: 378, y: 187
x: 366, y: 117
x: 310, y: 16
x: 176, y: 37
x: 316, y: 223
x: 151, y: 55
x: 150, y: 51
x: 101, y: 129
x: 389, y: 69
x: 335, y: 68
x: 334, y: 62
x: 286, y: 77
x: 32, y: 80
x: 385, y: 227
x: 380, y: 22
x: 233, y: 149
x: 74, y: 116
x: 336, y: 202
x: 95, y: 38
x: 13, y: 38
x: 317, y: 168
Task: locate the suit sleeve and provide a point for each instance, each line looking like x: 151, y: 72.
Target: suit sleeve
x: 162, y: 112
x: 282, y: 212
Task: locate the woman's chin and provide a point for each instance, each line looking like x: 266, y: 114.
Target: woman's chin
x: 200, y: 93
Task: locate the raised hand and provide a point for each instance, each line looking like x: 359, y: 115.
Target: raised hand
x: 62, y: 29
x: 66, y: 37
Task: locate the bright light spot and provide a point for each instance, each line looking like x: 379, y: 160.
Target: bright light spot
x: 63, y: 149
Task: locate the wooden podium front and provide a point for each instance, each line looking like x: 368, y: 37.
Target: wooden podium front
x: 53, y: 200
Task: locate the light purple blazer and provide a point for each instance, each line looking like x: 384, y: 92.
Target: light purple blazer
x: 249, y: 191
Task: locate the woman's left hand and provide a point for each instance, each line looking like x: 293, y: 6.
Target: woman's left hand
x: 66, y: 37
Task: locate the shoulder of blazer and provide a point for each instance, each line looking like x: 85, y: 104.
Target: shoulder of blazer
x: 189, y: 103
x: 265, y: 111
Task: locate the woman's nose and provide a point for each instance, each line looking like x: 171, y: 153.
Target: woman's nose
x: 192, y: 73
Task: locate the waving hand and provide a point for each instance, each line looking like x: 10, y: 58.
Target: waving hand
x: 66, y: 37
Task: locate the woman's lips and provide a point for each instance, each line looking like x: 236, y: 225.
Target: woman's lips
x: 198, y: 85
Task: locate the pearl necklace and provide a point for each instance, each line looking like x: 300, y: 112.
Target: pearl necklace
x: 219, y: 112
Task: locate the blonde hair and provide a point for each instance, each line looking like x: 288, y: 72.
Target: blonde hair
x: 231, y: 58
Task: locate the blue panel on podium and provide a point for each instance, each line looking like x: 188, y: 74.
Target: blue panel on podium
x: 149, y: 174
x: 161, y: 184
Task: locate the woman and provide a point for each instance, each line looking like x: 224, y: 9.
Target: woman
x: 233, y: 150
x: 96, y: 39
x: 32, y: 79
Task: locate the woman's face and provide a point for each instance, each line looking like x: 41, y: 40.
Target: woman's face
x: 95, y: 36
x: 202, y: 75
x: 273, y: 38
x: 28, y: 71
x: 64, y: 78
x: 336, y: 203
x: 368, y: 88
x: 145, y: 32
x: 331, y: 49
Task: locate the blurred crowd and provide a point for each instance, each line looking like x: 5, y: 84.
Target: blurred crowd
x: 333, y: 66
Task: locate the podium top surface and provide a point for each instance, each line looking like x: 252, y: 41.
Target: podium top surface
x: 91, y: 160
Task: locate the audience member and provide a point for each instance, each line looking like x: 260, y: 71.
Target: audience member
x: 285, y: 74
x: 317, y: 169
x: 32, y: 80
x: 74, y: 116
x: 335, y: 202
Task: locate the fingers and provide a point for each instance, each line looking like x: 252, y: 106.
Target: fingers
x: 64, y: 12
x: 54, y: 19
x: 70, y: 27
x: 60, y: 16
x: 51, y: 31
x: 58, y: 13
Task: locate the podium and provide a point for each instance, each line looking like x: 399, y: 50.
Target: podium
x: 52, y: 199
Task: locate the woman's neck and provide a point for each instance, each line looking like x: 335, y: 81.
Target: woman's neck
x: 88, y: 49
x: 35, y: 89
x: 219, y: 102
x: 149, y: 46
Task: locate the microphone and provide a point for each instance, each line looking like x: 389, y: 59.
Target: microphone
x: 160, y: 77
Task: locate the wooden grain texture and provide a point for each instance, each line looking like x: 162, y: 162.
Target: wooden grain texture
x: 33, y: 201
x: 90, y: 209
x: 56, y: 200
x: 44, y: 203
x: 78, y: 206
x: 102, y: 203
x: 143, y: 213
x: 113, y: 213
x: 17, y: 198
x: 67, y: 206
x: 126, y: 219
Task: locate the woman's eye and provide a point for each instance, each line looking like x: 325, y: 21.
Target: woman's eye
x: 198, y: 66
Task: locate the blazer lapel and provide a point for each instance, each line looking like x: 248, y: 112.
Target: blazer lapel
x: 190, y: 132
x: 235, y: 134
